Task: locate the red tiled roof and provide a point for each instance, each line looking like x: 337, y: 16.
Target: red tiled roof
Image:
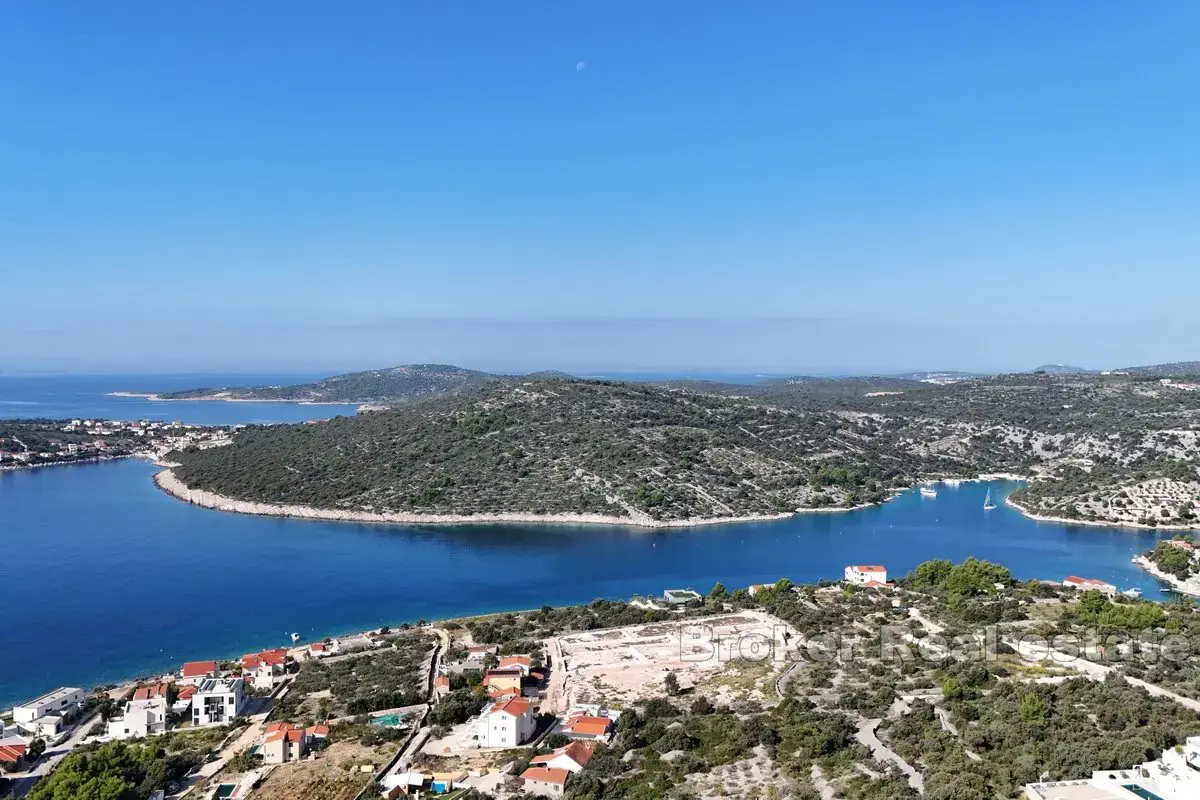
x: 1078, y: 581
x: 148, y: 692
x: 186, y: 692
x: 275, y: 658
x: 318, y: 730
x: 588, y: 726
x: 870, y: 568
x: 543, y: 775
x: 278, y: 726
x: 198, y: 669
x: 516, y: 706
x: 317, y: 647
x: 508, y: 661
x: 11, y: 753
x: 575, y: 751
x: 442, y: 680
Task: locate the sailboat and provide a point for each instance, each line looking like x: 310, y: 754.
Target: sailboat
x: 988, y: 503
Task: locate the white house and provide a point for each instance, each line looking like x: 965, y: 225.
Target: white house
x: 141, y: 718
x: 44, y: 716
x: 548, y: 782
x: 866, y: 575
x: 1075, y: 582
x: 506, y: 724
x: 217, y: 702
x: 1174, y: 776
x: 265, y: 669
x: 573, y: 758
x: 60, y: 701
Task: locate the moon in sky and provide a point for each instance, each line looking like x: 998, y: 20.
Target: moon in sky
x: 580, y: 66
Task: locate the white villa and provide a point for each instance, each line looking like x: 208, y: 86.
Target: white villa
x: 866, y: 575
x: 217, y: 702
x: 141, y: 718
x: 506, y: 724
x: 44, y: 716
x: 1174, y: 776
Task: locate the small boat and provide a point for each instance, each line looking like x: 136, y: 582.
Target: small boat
x: 295, y: 638
x: 988, y: 503
x: 928, y: 491
x: 1132, y: 592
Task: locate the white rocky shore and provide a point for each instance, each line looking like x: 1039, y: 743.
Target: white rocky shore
x: 170, y: 484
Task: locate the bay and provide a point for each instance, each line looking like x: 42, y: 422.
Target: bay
x: 105, y: 577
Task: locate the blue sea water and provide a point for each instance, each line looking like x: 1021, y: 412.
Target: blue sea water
x: 104, y: 577
x: 88, y: 396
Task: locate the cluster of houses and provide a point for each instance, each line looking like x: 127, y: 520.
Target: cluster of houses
x: 91, y: 440
x: 44, y: 718
x: 203, y: 691
x: 514, y: 686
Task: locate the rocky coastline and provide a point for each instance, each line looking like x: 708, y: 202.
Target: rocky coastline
x: 169, y: 483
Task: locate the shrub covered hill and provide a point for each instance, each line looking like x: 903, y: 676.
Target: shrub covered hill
x: 390, y: 385
x: 1115, y: 448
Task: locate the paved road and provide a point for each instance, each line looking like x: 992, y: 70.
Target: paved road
x: 23, y: 782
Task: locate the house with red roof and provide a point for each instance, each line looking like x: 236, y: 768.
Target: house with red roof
x: 265, y: 669
x: 869, y: 575
x: 284, y: 742
x: 587, y: 727
x: 197, y: 672
x: 573, y: 758
x: 506, y: 723
x: 441, y: 686
x: 522, y: 663
x: 324, y: 649
x: 550, y: 782
x: 509, y: 678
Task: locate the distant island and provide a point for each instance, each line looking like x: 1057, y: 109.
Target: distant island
x: 1116, y: 449
x: 391, y: 385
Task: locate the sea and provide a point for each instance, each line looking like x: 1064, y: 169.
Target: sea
x: 103, y: 577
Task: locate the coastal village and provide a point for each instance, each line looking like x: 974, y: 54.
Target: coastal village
x: 34, y: 443
x: 532, y: 704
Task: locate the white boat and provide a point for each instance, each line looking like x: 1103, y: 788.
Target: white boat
x: 928, y: 491
x: 988, y: 503
x: 1132, y: 592
x: 295, y: 638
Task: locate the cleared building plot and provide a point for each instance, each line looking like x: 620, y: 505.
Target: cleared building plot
x: 621, y: 665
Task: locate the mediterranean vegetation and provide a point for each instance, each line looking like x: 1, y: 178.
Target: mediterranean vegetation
x: 1116, y: 448
x: 350, y: 685
x: 118, y: 771
x: 391, y: 385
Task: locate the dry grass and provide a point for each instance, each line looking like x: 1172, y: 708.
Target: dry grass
x: 332, y: 775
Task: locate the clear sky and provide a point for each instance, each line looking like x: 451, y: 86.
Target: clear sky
x: 780, y: 186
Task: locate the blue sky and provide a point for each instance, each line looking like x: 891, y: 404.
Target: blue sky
x: 748, y: 186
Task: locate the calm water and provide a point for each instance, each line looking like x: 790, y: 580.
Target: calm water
x: 105, y: 577
x: 67, y: 396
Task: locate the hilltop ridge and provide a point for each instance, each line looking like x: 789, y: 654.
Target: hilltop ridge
x: 1101, y: 448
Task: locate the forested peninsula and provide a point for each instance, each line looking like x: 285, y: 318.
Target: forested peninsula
x: 1115, y: 449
